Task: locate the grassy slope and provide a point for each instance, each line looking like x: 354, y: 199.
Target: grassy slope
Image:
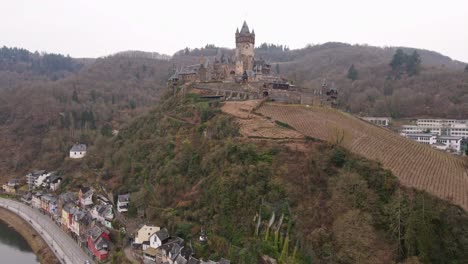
x: 185, y: 163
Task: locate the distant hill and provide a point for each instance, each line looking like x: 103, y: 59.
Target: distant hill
x: 42, y: 116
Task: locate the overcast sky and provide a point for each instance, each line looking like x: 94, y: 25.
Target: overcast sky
x: 96, y: 28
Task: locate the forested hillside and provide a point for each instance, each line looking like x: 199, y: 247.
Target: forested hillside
x: 46, y: 105
x: 186, y: 165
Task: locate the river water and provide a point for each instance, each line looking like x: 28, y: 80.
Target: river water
x: 13, y: 247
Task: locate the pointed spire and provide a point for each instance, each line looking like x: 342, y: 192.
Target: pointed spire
x: 253, y: 31
x: 237, y: 31
x: 245, y: 29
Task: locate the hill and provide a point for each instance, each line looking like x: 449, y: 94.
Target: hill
x: 41, y: 116
x: 187, y: 166
x: 415, y: 165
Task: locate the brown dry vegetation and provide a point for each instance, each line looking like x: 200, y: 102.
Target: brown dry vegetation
x: 414, y: 164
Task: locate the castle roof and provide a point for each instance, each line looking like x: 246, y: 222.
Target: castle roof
x: 245, y: 29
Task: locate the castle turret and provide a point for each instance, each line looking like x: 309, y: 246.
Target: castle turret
x: 245, y: 45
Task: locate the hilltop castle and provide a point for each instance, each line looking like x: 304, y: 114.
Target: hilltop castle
x: 238, y: 74
x: 242, y: 66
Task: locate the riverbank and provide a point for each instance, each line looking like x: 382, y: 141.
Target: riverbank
x: 37, y: 244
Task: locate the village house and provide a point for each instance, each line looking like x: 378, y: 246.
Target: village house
x: 85, y: 196
x: 122, y: 203
x: 49, y: 204
x: 66, y: 198
x: 98, y: 242
x: 450, y: 143
x: 76, y: 216
x: 158, y: 238
x: 53, y: 182
x: 33, y: 176
x: 379, y: 121
x: 36, y: 200
x: 11, y: 186
x: 78, y: 151
x: 68, y: 211
x: 142, y: 237
x: 103, y: 214
x: 42, y: 179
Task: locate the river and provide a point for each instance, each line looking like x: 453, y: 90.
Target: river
x: 13, y: 247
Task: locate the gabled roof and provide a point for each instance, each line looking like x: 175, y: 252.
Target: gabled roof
x: 123, y: 198
x: 78, y: 147
x: 162, y: 234
x: 67, y: 197
x: 95, y: 232
x: 54, y: 178
x: 180, y: 260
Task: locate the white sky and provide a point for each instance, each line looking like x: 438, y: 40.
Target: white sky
x: 93, y: 28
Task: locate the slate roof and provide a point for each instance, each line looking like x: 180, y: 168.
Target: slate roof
x: 180, y: 260
x: 193, y: 261
x: 67, y: 197
x: 54, y: 178
x: 95, y: 232
x: 78, y: 148
x: 245, y: 29
x: 162, y: 234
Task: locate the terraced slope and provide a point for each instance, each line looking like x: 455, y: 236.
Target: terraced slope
x: 416, y: 165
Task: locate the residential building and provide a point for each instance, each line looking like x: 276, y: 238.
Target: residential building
x: 49, y: 204
x: 379, y: 121
x: 32, y: 177
x: 66, y: 198
x: 8, y: 189
x: 103, y: 214
x: 158, y: 238
x: 98, y: 242
x: 11, y: 186
x: 14, y: 183
x: 143, y: 235
x: 42, y: 179
x: 441, y: 127
x: 122, y: 203
x: 68, y: 211
x: 85, y: 196
x: 450, y: 142
x: 424, y: 138
x: 78, y: 151
x: 36, y: 200
x: 53, y: 182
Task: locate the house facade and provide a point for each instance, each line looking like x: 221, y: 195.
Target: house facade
x: 122, y: 203
x: 78, y: 151
x: 85, y: 196
x: 98, y: 242
x: 158, y: 238
x: 379, y: 121
x: 143, y: 235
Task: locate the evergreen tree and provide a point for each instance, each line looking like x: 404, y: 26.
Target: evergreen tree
x: 352, y: 73
x: 277, y: 68
x: 413, y: 64
x: 75, y: 96
x: 398, y: 63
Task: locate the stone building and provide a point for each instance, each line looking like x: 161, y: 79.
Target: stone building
x: 241, y: 66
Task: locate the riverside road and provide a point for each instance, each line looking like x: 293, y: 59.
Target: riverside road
x: 64, y: 247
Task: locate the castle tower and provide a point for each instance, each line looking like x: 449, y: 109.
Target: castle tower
x: 245, y: 45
